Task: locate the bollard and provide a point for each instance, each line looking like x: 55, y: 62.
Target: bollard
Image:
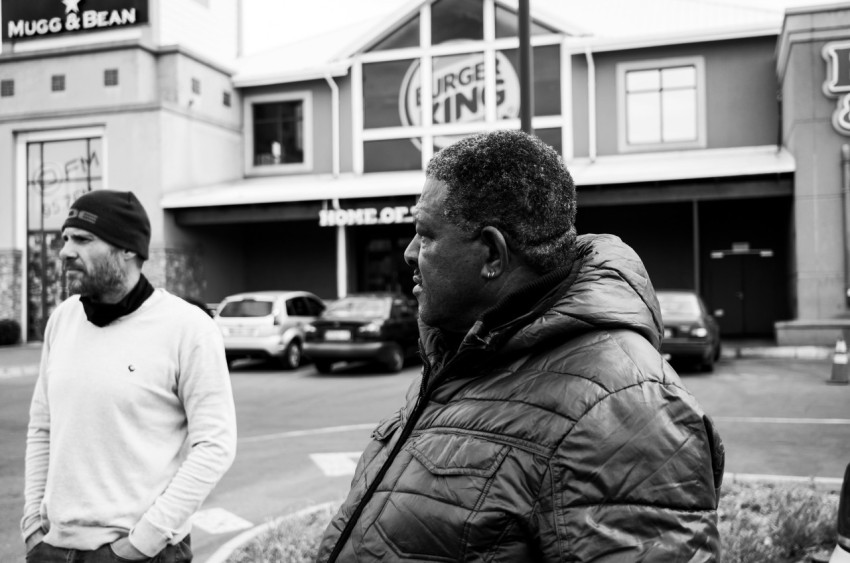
x: 840, y: 366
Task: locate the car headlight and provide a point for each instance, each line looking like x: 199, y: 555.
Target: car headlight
x: 309, y: 329
x: 699, y: 332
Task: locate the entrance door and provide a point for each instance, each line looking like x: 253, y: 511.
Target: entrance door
x: 742, y: 292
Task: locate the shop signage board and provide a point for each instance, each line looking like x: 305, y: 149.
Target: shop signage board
x: 46, y: 18
x: 457, y: 91
x: 837, y: 85
x: 365, y: 216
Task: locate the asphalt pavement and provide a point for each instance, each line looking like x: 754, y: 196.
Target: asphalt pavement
x: 22, y: 360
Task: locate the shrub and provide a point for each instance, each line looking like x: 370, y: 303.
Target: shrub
x: 758, y: 523
x: 776, y: 523
x: 293, y: 540
x: 10, y: 332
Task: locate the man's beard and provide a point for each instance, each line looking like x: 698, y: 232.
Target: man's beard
x: 104, y: 278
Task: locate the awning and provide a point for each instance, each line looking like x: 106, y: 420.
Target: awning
x: 604, y: 170
x: 310, y: 187
x: 681, y: 165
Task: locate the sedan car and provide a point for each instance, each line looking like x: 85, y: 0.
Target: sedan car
x: 267, y: 324
x: 690, y: 332
x: 378, y: 327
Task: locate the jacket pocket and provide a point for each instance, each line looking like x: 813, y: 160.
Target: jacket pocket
x: 439, y: 495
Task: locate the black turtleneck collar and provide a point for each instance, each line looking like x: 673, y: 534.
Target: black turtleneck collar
x: 101, y: 314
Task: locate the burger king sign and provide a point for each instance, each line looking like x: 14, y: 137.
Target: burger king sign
x: 458, y: 92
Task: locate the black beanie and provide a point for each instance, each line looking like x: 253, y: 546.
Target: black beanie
x: 116, y: 217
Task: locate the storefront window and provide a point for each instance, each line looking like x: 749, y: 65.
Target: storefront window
x: 405, y: 36
x: 507, y: 24
x: 551, y: 137
x: 392, y: 155
x: 458, y: 88
x: 278, y: 133
x: 547, y: 79
x: 661, y: 104
x: 58, y: 172
x: 382, y: 98
x: 456, y: 19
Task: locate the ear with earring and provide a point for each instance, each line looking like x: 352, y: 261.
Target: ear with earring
x: 491, y: 274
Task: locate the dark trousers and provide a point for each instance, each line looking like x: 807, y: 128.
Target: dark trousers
x: 46, y: 553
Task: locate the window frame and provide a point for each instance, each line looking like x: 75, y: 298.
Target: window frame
x: 306, y: 99
x: 622, y: 68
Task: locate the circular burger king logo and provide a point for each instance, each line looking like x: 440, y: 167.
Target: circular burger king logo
x: 458, y: 92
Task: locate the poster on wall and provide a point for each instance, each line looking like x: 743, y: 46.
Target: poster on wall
x: 38, y: 19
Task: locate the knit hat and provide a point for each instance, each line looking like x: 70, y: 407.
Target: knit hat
x: 116, y: 217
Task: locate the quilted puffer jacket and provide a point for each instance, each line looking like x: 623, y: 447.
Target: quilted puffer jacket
x: 556, y: 432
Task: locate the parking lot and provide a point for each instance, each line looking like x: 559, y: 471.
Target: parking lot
x: 300, y: 433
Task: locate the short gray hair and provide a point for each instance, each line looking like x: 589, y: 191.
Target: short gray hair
x: 515, y: 182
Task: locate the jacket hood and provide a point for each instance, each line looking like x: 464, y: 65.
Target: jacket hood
x: 607, y: 288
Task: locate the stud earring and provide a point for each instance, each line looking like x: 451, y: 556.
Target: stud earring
x: 491, y: 274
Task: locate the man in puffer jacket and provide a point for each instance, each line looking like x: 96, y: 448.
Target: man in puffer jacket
x: 546, y: 425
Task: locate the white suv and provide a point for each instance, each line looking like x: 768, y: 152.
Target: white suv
x: 267, y: 324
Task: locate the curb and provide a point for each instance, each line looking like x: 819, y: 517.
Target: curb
x: 821, y: 483
x: 796, y: 352
x: 225, y: 551
x: 17, y: 371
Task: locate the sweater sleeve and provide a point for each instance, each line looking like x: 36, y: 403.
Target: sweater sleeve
x: 205, y: 392
x: 37, y: 451
x: 635, y: 479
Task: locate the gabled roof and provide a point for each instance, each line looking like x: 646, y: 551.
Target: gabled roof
x: 591, y: 22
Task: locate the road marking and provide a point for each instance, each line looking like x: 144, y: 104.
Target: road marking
x: 336, y: 464
x: 777, y: 420
x: 310, y: 432
x: 219, y: 521
x: 17, y: 371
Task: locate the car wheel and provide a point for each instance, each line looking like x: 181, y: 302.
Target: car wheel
x: 394, y: 360
x: 291, y: 358
x: 717, y: 351
x: 707, y: 366
x: 323, y: 366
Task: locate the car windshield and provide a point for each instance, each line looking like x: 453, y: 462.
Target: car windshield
x: 678, y: 304
x: 246, y: 308
x: 370, y: 307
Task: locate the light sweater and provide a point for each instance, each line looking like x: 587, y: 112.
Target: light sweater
x: 131, y: 425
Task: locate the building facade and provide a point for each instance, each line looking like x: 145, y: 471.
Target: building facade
x: 717, y: 156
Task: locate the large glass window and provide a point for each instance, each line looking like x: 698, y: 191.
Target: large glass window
x: 662, y: 105
x: 458, y: 88
x: 58, y: 172
x: 507, y: 24
x: 278, y: 133
x: 391, y: 94
x: 456, y: 19
x: 407, y: 35
x: 392, y: 155
x: 547, y: 79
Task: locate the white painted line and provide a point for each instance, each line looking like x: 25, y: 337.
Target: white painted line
x: 219, y: 521
x: 777, y: 420
x: 18, y: 371
x: 310, y: 432
x: 336, y: 464
x: 225, y: 551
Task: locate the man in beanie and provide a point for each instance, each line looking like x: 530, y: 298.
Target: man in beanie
x: 132, y: 421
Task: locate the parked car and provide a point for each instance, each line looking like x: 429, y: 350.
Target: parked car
x: 690, y: 332
x: 267, y: 324
x: 379, y: 327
